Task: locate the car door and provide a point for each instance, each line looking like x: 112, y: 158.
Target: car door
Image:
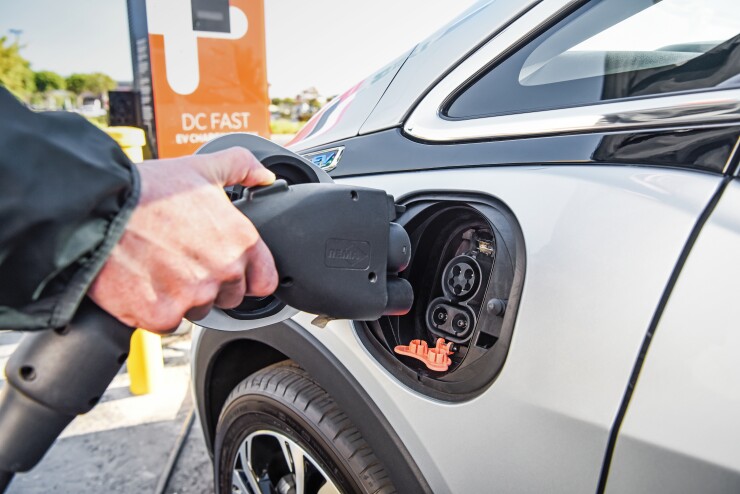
x: 679, y: 432
x: 606, y: 159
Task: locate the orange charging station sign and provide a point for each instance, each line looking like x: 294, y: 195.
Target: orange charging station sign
x: 200, y: 66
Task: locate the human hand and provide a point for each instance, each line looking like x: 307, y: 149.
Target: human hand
x: 186, y: 248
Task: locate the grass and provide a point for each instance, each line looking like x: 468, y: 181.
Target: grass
x: 285, y: 126
x: 101, y: 121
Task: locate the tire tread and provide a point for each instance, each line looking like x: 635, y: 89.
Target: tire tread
x: 289, y: 383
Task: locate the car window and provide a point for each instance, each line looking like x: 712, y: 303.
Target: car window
x: 613, y: 49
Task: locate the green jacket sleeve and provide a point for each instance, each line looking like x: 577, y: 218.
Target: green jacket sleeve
x: 66, y: 193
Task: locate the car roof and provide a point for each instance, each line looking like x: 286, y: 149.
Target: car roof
x: 383, y: 99
x: 436, y: 56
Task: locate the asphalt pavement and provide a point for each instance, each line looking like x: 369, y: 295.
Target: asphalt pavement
x: 123, y: 444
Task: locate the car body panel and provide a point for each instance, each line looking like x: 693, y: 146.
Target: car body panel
x: 675, y: 435
x: 579, y: 328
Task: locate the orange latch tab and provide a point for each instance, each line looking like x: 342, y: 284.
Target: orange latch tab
x: 436, y: 359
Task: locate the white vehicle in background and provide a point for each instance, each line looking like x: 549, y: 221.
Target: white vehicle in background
x: 92, y: 107
x: 569, y: 171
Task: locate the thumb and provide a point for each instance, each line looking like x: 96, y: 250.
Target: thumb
x: 235, y: 166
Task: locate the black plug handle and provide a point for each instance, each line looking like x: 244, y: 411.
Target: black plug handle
x: 336, y: 248
x: 53, y: 376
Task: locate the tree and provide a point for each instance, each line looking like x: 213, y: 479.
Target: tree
x: 76, y: 83
x: 47, y: 80
x: 99, y: 83
x: 15, y: 71
x: 96, y: 83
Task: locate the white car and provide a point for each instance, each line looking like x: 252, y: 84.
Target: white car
x: 569, y: 171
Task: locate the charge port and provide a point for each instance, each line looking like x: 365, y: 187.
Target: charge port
x: 461, y: 278
x: 453, y: 315
x: 453, y: 322
x: 465, y: 268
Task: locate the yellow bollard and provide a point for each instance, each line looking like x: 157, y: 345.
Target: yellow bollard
x: 145, y: 362
x: 131, y: 140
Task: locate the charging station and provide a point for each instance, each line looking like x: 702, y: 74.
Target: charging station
x: 200, y: 72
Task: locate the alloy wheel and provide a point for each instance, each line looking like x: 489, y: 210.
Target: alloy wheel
x: 268, y: 462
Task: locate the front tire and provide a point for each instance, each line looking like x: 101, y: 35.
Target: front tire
x: 279, y: 431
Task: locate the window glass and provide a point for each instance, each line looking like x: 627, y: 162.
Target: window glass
x: 612, y: 49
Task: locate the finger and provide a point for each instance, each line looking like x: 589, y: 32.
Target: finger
x: 261, y: 276
x: 198, y: 313
x: 165, y: 318
x: 231, y: 293
x: 164, y: 329
x: 235, y: 166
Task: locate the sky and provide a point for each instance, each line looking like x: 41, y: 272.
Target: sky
x: 329, y: 44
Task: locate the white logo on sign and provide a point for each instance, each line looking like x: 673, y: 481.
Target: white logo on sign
x: 173, y: 19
